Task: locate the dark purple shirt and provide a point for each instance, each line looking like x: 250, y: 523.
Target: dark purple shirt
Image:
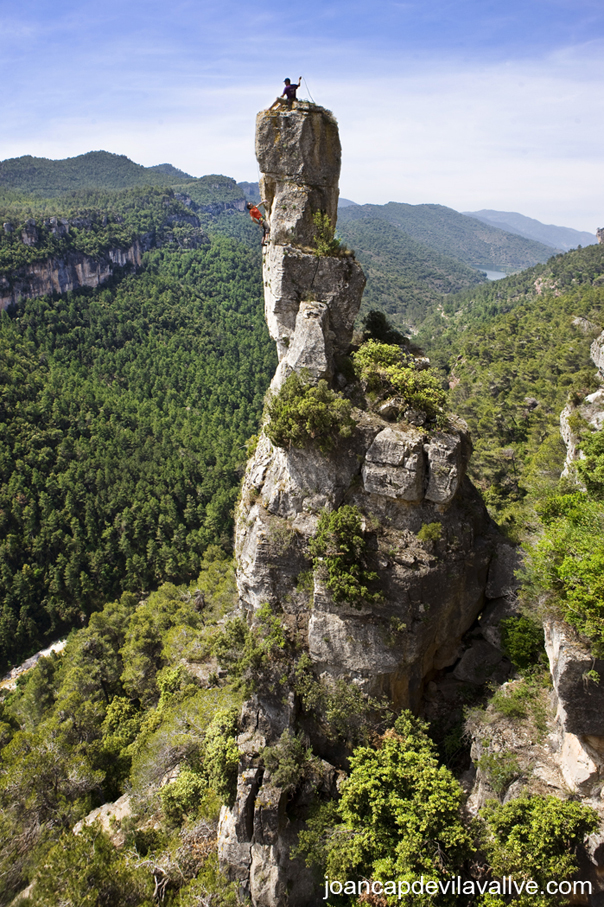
x: 290, y: 91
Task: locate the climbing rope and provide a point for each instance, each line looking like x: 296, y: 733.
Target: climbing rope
x: 308, y: 89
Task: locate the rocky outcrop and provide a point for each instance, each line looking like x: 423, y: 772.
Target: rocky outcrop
x: 580, y: 700
x: 587, y: 414
x: 73, y: 270
x: 428, y: 537
x: 579, y: 703
x: 597, y: 353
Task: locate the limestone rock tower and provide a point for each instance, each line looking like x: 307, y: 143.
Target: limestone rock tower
x: 396, y: 469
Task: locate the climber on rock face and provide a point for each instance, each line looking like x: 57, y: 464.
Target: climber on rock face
x: 288, y: 95
x: 259, y: 218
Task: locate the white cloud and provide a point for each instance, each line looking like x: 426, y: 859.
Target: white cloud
x: 510, y: 137
x: 521, y: 135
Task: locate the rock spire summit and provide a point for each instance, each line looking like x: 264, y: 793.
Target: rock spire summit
x: 311, y: 299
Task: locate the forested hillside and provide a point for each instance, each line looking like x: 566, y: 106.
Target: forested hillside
x: 466, y: 239
x: 513, y: 351
x: 405, y: 278
x: 124, y: 410
x: 94, y: 170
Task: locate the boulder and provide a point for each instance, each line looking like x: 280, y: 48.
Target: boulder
x: 395, y: 465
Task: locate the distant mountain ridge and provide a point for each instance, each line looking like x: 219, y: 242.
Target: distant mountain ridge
x: 474, y: 242
x: 93, y: 170
x: 405, y: 278
x: 564, y: 238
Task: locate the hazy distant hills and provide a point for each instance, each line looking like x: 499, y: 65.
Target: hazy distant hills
x: 474, y: 242
x: 558, y: 237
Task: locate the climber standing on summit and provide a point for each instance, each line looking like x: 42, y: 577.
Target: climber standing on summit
x: 288, y: 95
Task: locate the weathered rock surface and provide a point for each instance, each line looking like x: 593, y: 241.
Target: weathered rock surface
x: 536, y: 756
x: 400, y: 475
x: 590, y: 411
x: 580, y: 700
x: 597, y: 353
x: 73, y: 270
x: 110, y: 817
x: 299, y: 156
x: 293, y: 275
x: 61, y: 275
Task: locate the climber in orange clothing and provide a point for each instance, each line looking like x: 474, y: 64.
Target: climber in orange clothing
x: 259, y: 218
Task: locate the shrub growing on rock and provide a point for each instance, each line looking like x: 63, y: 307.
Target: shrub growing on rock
x: 221, y: 756
x: 385, y: 370
x: 290, y: 760
x: 326, y: 243
x: 338, y: 549
x: 399, y: 816
x: 302, y: 413
x: 534, y: 838
x: 430, y: 532
x: 567, y: 564
x: 522, y: 640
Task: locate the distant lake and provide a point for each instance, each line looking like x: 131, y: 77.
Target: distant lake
x: 494, y: 275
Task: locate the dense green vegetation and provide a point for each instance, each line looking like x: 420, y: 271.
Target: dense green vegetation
x: 339, y: 550
x: 387, y: 371
x: 513, y: 353
x: 92, y: 223
x: 124, y: 413
x: 121, y: 707
x: 405, y: 278
x: 399, y: 819
x: 581, y: 268
x: 446, y: 231
x: 565, y: 571
x: 94, y: 170
x: 302, y: 413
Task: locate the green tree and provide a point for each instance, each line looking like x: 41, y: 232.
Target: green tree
x: 302, y: 413
x: 86, y: 870
x: 534, y: 838
x: 399, y: 816
x: 339, y: 550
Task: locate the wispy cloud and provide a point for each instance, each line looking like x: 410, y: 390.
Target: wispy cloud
x: 462, y: 102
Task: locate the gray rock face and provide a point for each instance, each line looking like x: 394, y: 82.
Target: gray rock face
x: 395, y: 465
x: 73, y: 270
x: 580, y: 701
x: 299, y: 155
x: 293, y: 275
x: 597, y: 353
x: 401, y: 476
x: 61, y: 275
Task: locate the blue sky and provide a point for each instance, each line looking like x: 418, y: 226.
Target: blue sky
x: 468, y: 104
